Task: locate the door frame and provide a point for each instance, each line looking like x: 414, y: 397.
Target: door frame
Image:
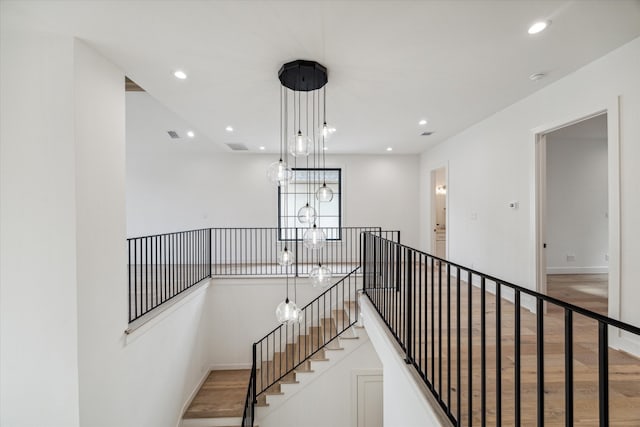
x: 432, y: 202
x: 355, y: 375
x: 611, y: 108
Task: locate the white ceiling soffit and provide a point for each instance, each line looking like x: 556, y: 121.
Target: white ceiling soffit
x: 391, y: 63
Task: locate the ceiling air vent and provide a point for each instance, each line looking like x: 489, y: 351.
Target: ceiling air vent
x: 426, y: 133
x: 173, y: 134
x: 237, y: 147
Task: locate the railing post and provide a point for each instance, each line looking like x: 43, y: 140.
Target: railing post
x: 210, y: 246
x: 297, y: 251
x: 363, y: 259
x: 408, y: 302
x: 603, y: 373
x: 398, y: 266
x: 375, y: 261
x: 253, y: 377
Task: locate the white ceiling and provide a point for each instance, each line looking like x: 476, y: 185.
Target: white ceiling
x: 391, y: 63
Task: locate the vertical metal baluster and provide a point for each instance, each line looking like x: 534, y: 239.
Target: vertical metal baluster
x: 540, y: 359
x: 433, y: 327
x: 458, y: 370
x: 568, y: 367
x: 483, y: 355
x: 449, y: 338
x: 498, y: 354
x: 414, y: 299
x: 408, y: 306
x: 469, y: 348
x: 440, y: 330
x: 146, y: 273
x: 129, y: 276
x: 603, y: 373
x: 517, y: 356
x: 419, y: 314
x: 426, y: 320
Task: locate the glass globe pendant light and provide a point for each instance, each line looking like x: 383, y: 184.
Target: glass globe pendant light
x: 307, y: 214
x: 314, y: 238
x: 279, y: 173
x: 286, y: 257
x: 320, y: 276
x: 326, y: 130
x: 288, y: 312
x: 324, y: 193
x: 299, y: 145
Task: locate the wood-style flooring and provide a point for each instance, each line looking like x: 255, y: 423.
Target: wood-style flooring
x: 435, y: 351
x: 222, y: 395
x: 584, y: 290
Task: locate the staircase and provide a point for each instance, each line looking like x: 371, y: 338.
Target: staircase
x: 284, y: 361
x: 301, y: 371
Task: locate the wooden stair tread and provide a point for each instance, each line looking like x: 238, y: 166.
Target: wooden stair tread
x: 222, y: 395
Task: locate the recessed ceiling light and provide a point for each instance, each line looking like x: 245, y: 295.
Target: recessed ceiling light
x: 325, y: 148
x: 538, y: 27
x: 389, y: 148
x: 229, y: 129
x: 537, y: 76
x: 261, y: 148
x: 190, y: 134
x: 180, y: 74
x: 422, y: 122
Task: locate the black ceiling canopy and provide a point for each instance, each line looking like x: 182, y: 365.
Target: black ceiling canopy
x: 303, y: 76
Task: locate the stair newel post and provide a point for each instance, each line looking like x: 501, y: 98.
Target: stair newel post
x: 253, y: 377
x: 408, y: 303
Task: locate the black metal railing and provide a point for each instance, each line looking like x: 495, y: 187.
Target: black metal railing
x: 163, y: 266
x: 254, y: 251
x: 283, y: 350
x: 476, y: 340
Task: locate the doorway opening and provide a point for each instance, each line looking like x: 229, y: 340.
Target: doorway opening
x: 439, y: 212
x: 574, y: 215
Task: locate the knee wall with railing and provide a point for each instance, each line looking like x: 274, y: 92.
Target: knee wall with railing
x: 489, y: 357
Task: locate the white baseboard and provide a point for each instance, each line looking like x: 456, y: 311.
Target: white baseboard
x: 229, y: 366
x: 577, y: 270
x: 192, y: 396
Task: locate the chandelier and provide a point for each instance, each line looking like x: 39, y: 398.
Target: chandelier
x: 303, y: 132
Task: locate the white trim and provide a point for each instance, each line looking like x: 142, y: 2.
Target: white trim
x: 354, y: 389
x: 230, y: 366
x: 609, y: 106
x: 148, y: 321
x: 390, y: 352
x: 578, y: 270
x: 192, y: 396
x: 432, y: 186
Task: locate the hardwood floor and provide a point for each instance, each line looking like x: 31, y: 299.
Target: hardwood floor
x: 436, y: 354
x: 585, y: 290
x: 222, y: 395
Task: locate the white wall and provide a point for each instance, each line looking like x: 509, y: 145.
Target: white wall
x: 405, y: 399
x: 577, y: 220
x: 63, y: 291
x: 143, y: 379
x: 190, y: 184
x: 492, y: 163
x: 328, y: 399
x: 242, y: 311
x: 38, y: 315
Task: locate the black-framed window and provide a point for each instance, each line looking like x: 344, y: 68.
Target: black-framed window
x: 302, y: 190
